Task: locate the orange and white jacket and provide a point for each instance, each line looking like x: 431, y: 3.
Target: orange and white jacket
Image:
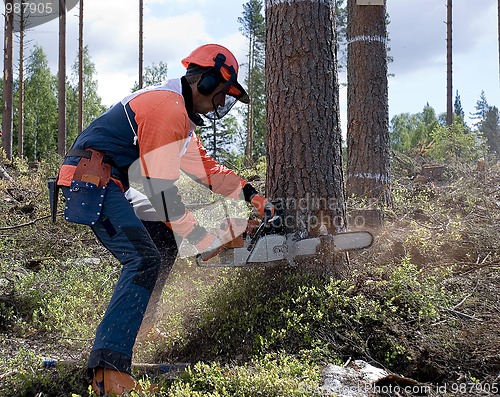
x: 151, y: 130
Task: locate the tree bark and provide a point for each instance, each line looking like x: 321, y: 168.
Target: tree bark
x: 449, y: 59
x: 141, y: 43
x: 61, y: 98
x: 304, y: 162
x: 368, y: 143
x: 8, y: 111
x: 20, y: 104
x: 80, y: 69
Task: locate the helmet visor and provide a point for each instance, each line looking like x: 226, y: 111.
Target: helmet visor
x: 222, y: 102
x: 234, y: 89
x: 238, y: 92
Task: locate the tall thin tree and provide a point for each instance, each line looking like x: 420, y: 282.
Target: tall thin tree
x: 251, y: 63
x: 20, y: 91
x: 368, y: 140
x: 449, y: 63
x: 141, y: 42
x: 61, y: 98
x: 80, y: 69
x: 92, y: 102
x: 253, y: 28
x: 304, y: 162
x: 8, y: 80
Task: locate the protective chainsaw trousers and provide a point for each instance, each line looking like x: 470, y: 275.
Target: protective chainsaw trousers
x: 145, y: 250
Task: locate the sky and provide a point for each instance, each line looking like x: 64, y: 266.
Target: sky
x: 173, y: 28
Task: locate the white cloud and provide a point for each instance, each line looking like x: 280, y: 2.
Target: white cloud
x: 115, y: 86
x: 171, y: 39
x: 418, y: 31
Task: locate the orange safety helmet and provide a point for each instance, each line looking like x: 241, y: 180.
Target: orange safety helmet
x: 206, y: 56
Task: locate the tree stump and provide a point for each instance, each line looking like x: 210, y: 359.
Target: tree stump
x: 432, y: 173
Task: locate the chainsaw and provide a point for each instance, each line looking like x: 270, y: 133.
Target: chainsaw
x: 257, y: 243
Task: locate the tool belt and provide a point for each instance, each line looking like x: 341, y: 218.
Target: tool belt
x: 93, y: 166
x: 85, y: 195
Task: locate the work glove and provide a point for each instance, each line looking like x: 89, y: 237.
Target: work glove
x: 231, y: 231
x: 209, y: 246
x: 263, y: 206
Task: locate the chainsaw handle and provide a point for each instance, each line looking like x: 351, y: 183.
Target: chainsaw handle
x: 267, y: 221
x: 257, y: 234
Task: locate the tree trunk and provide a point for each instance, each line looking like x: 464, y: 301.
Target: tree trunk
x: 304, y: 163
x: 250, y: 129
x: 80, y: 69
x: 449, y: 68
x: 141, y: 43
x: 8, y: 112
x: 20, y: 104
x: 61, y: 98
x: 368, y: 143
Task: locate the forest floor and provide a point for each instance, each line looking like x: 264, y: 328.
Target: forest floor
x: 423, y: 302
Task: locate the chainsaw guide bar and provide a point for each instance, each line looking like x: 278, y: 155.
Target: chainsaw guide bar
x: 285, y: 248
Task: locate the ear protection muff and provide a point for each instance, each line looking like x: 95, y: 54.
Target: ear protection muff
x: 211, y: 79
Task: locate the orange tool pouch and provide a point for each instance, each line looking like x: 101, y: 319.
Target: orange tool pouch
x: 94, y: 169
x: 85, y: 195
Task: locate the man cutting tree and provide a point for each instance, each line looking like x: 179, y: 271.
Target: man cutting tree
x: 154, y: 127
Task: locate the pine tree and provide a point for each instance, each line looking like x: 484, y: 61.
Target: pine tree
x: 218, y: 138
x: 7, y: 83
x: 304, y: 160
x: 368, y: 140
x: 482, y: 108
x: 40, y: 107
x: 253, y: 28
x: 490, y: 128
x: 458, y: 110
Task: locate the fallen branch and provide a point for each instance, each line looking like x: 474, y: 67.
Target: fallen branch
x: 482, y: 264
x: 461, y: 302
x: 462, y: 315
x: 24, y: 224
x: 172, y: 369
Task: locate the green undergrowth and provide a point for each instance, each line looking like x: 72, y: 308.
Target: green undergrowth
x: 253, y: 313
x: 276, y: 375
x: 23, y: 375
x: 272, y: 376
x: 53, y: 299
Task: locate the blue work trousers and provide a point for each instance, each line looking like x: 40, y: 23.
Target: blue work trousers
x: 145, y: 250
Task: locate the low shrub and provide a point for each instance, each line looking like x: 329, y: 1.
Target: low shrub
x: 254, y: 313
x: 275, y: 375
x: 66, y: 299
